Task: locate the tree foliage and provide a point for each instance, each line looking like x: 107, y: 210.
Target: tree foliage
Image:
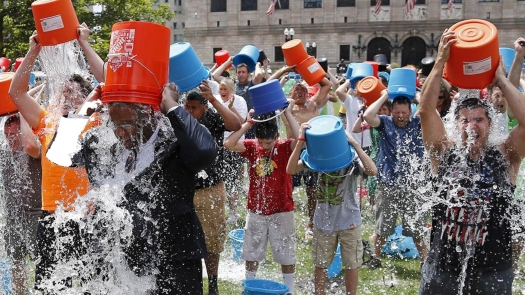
x: 17, y: 24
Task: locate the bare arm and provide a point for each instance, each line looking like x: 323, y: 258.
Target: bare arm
x: 433, y: 129
x: 231, y: 121
x: 29, y: 140
x: 294, y: 126
x: 369, y: 167
x: 515, y: 70
x: 295, y: 165
x: 217, y: 74
x: 341, y: 90
x: 96, y: 63
x: 27, y: 106
x: 278, y: 74
x: 258, y: 75
x: 332, y: 78
x: 370, y: 115
x: 321, y: 97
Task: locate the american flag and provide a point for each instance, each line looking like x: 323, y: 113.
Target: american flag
x: 271, y: 9
x: 449, y: 5
x: 377, y: 9
x: 409, y: 6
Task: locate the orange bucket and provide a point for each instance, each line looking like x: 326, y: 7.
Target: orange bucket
x: 311, y: 71
x: 138, y: 63
x: 294, y: 52
x: 369, y: 88
x: 55, y: 20
x: 474, y: 58
x: 221, y: 57
x: 7, y: 106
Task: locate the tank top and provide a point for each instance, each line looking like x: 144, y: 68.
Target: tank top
x: 474, y: 220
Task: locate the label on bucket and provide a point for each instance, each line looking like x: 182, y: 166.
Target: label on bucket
x: 52, y: 23
x: 314, y: 67
x: 477, y: 67
x: 121, y: 48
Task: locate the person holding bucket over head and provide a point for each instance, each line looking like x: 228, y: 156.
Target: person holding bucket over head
x: 337, y: 215
x: 60, y: 185
x: 243, y: 82
x: 475, y: 178
x: 270, y: 208
x: 400, y: 145
x: 210, y: 191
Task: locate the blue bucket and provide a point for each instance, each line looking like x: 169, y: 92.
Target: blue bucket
x: 348, y: 72
x: 248, y: 55
x: 508, y: 57
x: 5, y: 274
x: 385, y: 75
x: 267, y: 97
x: 360, y: 71
x: 262, y: 287
x: 400, y: 246
x: 237, y: 237
x: 402, y: 83
x: 186, y: 69
x: 335, y: 268
x: 327, y: 148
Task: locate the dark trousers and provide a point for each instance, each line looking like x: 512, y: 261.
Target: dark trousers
x: 48, y: 257
x: 180, y: 277
x: 438, y: 281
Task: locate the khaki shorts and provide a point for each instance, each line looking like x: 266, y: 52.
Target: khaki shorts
x: 278, y: 228
x: 324, y: 247
x: 209, y: 205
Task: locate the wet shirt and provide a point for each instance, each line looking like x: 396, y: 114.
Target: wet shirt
x: 21, y: 176
x: 474, y: 218
x: 214, y: 174
x: 337, y: 202
x: 270, y: 186
x: 400, y: 149
x: 242, y: 90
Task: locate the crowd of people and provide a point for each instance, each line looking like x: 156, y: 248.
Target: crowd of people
x: 180, y: 166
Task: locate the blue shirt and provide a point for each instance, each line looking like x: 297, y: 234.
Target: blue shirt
x: 399, y: 150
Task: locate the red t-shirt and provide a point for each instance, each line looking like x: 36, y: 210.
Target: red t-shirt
x: 270, y: 186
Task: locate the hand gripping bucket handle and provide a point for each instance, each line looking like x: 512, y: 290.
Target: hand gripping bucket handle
x: 271, y: 118
x: 133, y: 58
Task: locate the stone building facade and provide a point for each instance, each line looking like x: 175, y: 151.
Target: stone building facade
x: 354, y: 30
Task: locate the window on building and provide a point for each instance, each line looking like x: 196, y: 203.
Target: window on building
x: 179, y: 38
x: 174, y: 25
x: 383, y: 2
x: 455, y: 1
x: 248, y: 5
x: 488, y: 0
x: 345, y: 3
x: 180, y: 2
x: 282, y: 4
x: 215, y: 49
x: 418, y: 2
x: 344, y: 52
x: 218, y: 6
x: 313, y: 3
x: 183, y: 25
x: 278, y: 53
x: 248, y: 23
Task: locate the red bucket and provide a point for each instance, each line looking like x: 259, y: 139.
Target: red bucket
x: 7, y: 106
x: 18, y: 62
x: 138, y: 63
x: 55, y: 20
x: 221, y: 57
x: 375, y: 67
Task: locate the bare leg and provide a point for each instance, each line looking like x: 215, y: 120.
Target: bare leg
x: 19, y: 277
x: 320, y: 280
x: 421, y: 248
x: 351, y: 281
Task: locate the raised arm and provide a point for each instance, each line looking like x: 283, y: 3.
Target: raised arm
x: 258, y: 74
x: 369, y: 167
x: 29, y: 140
x: 231, y: 121
x: 217, y: 74
x: 321, y: 97
x: 370, y: 115
x: 96, y: 64
x: 341, y: 90
x: 515, y: 69
x: 280, y: 72
x: 294, y: 126
x: 234, y: 142
x: 433, y: 129
x: 197, y: 146
x: 295, y: 165
x: 26, y: 105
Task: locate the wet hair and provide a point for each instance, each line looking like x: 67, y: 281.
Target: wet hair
x: 197, y: 96
x: 472, y: 103
x: 266, y: 130
x: 86, y: 85
x: 230, y: 85
x: 144, y: 111
x: 12, y: 120
x: 401, y: 100
x: 242, y: 65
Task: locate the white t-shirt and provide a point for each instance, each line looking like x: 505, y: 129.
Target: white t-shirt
x: 353, y: 104
x: 239, y: 104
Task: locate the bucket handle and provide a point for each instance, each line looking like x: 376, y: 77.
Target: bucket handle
x: 277, y: 115
x: 132, y: 58
x: 338, y: 176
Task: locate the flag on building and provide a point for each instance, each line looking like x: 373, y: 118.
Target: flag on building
x: 377, y: 9
x: 409, y: 6
x: 271, y: 9
x: 449, y: 5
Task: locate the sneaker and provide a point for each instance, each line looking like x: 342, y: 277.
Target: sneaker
x: 232, y: 217
x: 372, y: 263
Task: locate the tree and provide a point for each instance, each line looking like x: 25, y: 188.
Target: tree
x: 17, y: 24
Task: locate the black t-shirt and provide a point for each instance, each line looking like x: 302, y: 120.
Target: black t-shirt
x: 474, y: 218
x: 213, y: 174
